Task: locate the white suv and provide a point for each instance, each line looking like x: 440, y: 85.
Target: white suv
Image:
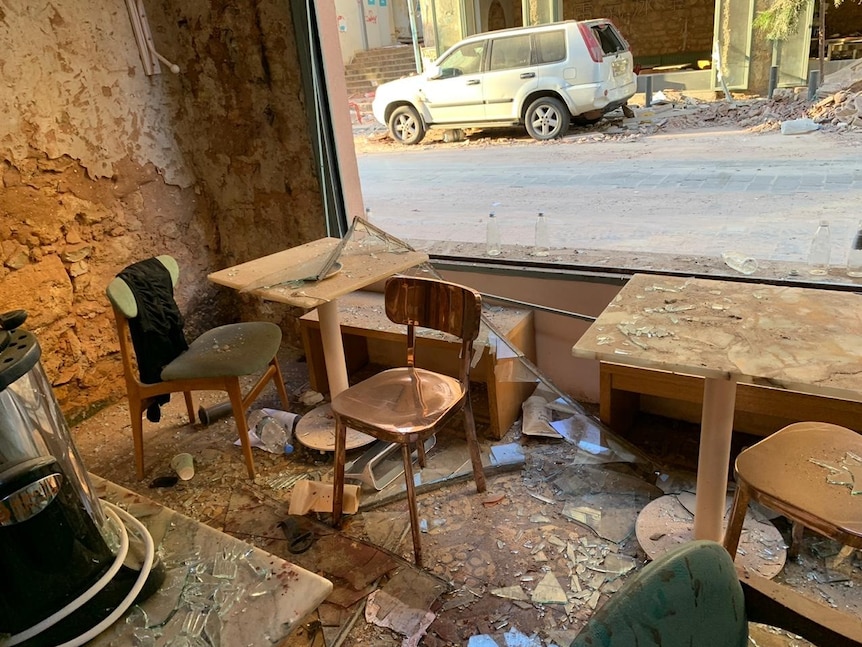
x: 541, y: 77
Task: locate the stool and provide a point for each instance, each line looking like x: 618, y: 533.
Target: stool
x: 804, y: 471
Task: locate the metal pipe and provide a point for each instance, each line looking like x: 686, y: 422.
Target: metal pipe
x: 813, y: 83
x: 209, y: 415
x: 536, y: 306
x: 773, y: 80
x: 414, y: 35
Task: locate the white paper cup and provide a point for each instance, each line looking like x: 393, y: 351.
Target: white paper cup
x: 183, y: 464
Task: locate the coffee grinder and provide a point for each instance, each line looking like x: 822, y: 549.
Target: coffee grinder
x: 61, y: 551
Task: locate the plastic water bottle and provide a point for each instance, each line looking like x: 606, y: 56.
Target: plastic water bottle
x: 368, y: 214
x: 818, y: 254
x: 492, y: 236
x: 275, y: 436
x: 854, y: 256
x: 541, y: 243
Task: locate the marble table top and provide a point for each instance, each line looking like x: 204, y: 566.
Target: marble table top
x: 223, y: 589
x: 279, y: 277
x: 802, y: 339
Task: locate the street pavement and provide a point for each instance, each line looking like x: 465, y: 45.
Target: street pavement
x: 697, y: 192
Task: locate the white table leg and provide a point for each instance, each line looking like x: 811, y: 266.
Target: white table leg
x: 333, y: 347
x: 719, y: 401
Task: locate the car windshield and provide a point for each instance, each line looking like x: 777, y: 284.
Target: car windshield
x: 467, y: 59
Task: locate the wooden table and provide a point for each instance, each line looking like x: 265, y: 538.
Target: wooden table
x: 260, y: 603
x: 360, y: 267
x: 807, y: 340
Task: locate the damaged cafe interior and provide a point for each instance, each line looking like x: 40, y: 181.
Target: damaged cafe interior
x: 234, y: 410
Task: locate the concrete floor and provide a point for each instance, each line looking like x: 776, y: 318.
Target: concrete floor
x: 514, y: 535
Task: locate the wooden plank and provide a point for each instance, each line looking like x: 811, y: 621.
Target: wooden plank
x: 759, y: 409
x: 779, y: 605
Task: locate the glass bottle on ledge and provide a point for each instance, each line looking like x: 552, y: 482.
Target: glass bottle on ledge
x: 818, y: 254
x: 492, y: 236
x: 854, y: 255
x: 541, y: 243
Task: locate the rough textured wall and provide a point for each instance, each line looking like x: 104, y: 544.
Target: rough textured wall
x: 101, y: 165
x: 653, y: 27
x: 843, y: 20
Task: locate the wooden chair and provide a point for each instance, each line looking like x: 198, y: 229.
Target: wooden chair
x: 693, y: 595
x: 406, y: 405
x: 786, y: 472
x: 215, y: 361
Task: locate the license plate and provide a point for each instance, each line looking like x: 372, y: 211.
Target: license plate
x: 620, y: 66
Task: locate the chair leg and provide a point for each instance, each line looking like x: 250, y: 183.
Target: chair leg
x: 411, y: 502
x: 136, y: 413
x: 795, y: 540
x: 235, y: 394
x: 473, y: 445
x: 338, y: 477
x: 279, y: 384
x: 420, y: 453
x: 190, y: 406
x: 737, y: 518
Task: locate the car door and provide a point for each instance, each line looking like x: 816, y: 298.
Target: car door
x: 510, y: 75
x: 454, y: 93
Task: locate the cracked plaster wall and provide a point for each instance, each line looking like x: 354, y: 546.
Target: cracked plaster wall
x: 101, y: 166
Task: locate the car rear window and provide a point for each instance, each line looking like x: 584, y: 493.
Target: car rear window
x: 609, y: 38
x: 550, y: 46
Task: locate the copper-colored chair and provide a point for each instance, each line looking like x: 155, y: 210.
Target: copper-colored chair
x: 406, y: 405
x: 215, y: 361
x: 790, y: 473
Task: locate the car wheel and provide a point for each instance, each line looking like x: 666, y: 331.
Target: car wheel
x: 405, y: 125
x: 547, y: 118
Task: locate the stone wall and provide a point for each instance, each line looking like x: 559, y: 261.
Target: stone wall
x: 101, y: 165
x: 652, y: 27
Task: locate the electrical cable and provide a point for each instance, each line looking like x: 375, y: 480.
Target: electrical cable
x: 114, y: 513
x: 129, y: 600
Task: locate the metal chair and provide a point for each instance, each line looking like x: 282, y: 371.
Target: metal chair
x: 789, y: 472
x: 406, y: 405
x: 215, y: 361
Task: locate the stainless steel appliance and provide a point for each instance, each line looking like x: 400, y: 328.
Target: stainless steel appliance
x: 55, y: 542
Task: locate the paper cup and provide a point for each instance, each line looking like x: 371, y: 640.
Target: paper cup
x: 183, y: 465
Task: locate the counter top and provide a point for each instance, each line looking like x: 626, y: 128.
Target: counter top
x: 229, y: 591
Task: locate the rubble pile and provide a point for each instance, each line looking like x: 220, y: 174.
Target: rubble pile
x: 838, y: 105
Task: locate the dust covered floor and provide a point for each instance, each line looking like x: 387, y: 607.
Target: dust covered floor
x: 524, y: 563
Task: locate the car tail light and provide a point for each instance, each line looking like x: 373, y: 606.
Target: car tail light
x: 593, y: 45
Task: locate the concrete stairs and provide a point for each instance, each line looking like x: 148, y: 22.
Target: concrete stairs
x: 370, y: 68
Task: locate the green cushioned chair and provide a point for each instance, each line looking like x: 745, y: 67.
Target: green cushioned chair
x: 688, y: 596
x: 694, y: 596
x: 215, y: 361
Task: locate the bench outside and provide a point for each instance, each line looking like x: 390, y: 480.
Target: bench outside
x: 760, y: 410
x: 370, y: 337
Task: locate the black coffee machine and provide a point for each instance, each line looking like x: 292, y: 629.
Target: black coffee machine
x: 56, y: 546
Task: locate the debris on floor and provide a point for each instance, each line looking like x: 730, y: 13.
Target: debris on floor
x: 529, y: 560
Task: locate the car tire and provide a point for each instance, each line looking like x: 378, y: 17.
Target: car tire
x: 547, y: 118
x: 405, y: 125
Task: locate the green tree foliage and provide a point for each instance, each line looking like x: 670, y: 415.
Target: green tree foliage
x: 781, y: 20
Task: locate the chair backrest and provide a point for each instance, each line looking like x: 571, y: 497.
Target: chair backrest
x: 439, y: 305
x: 688, y: 596
x: 125, y: 307
x: 120, y: 294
